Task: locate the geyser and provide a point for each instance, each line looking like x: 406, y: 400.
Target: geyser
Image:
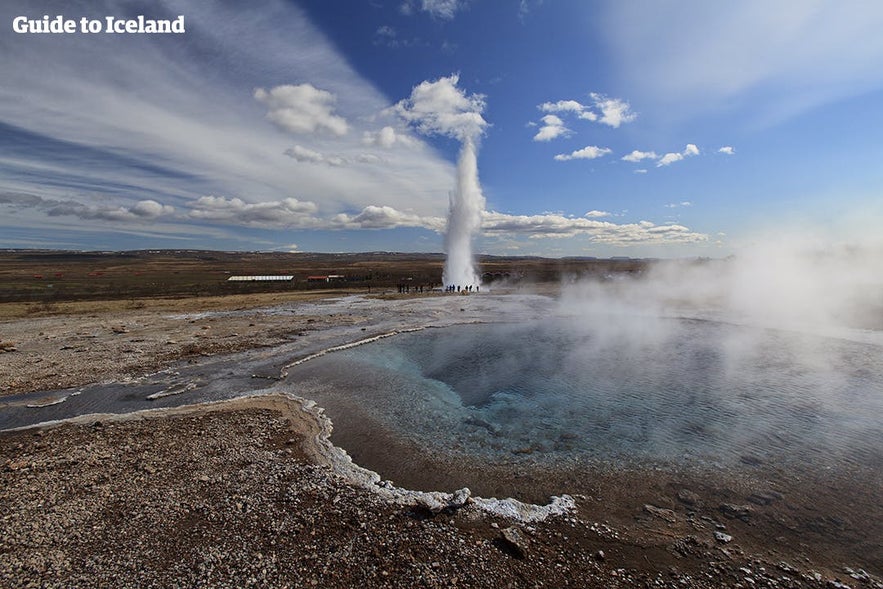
x: 440, y: 108
x: 464, y: 220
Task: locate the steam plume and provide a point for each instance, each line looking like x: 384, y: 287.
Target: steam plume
x: 440, y: 108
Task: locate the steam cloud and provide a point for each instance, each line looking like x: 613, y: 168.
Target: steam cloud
x: 440, y: 108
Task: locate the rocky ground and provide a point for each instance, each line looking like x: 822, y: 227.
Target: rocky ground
x: 226, y: 496
x: 238, y: 494
x: 87, y: 344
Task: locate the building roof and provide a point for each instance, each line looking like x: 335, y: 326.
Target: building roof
x: 265, y: 278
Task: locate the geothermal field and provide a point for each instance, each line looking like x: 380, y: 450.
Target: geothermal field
x: 684, y: 423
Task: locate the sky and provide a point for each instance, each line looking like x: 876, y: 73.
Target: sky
x: 647, y: 128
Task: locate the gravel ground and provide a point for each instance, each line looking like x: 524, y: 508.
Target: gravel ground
x: 230, y: 495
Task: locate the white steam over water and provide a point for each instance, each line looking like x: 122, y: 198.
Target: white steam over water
x: 773, y: 357
x: 464, y: 220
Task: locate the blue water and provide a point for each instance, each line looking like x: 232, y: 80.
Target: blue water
x: 616, y: 388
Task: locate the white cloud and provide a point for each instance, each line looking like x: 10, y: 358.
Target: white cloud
x: 596, y: 214
x: 675, y: 205
x: 143, y: 210
x: 440, y: 9
x: 440, y: 107
x: 673, y: 157
x: 589, y: 152
x: 607, y: 111
x: 288, y: 212
x: 150, y: 209
x: 562, y: 106
x: 641, y: 171
x: 384, y: 217
x: 302, y: 109
x: 553, y: 127
x: 637, y: 156
x: 306, y: 155
x: 159, y: 121
x: 302, y: 154
x: 614, y: 111
x: 387, y: 137
x: 669, y: 158
x: 727, y: 150
x: 560, y: 226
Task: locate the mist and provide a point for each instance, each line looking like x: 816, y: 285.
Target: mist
x: 788, y: 284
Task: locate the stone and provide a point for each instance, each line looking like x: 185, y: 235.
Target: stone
x: 723, y: 538
x: 514, y: 541
x: 666, y: 514
x: 688, y: 497
x: 764, y: 498
x: 731, y: 511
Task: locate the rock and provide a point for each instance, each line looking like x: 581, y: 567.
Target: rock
x: 731, y: 511
x: 666, y: 514
x: 514, y: 542
x: 688, y: 497
x: 7, y: 347
x: 723, y: 538
x: 438, y: 502
x: 764, y: 498
x: 599, y: 555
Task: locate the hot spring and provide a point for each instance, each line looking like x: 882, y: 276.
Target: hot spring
x: 568, y: 392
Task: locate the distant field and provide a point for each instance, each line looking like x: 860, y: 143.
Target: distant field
x: 48, y: 277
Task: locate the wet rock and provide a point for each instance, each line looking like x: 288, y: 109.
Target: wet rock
x: 665, y: 514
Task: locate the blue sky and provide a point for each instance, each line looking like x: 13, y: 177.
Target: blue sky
x: 663, y: 128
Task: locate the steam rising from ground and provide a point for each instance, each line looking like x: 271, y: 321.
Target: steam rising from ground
x: 789, y: 285
x: 808, y: 330
x: 440, y: 108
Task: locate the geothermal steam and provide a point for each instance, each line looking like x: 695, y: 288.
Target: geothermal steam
x: 440, y: 108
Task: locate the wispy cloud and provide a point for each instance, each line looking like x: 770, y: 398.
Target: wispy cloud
x: 440, y: 9
x: 145, y: 119
x: 727, y: 150
x: 783, y: 59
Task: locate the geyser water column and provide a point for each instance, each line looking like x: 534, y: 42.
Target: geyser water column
x: 440, y: 108
x: 464, y: 220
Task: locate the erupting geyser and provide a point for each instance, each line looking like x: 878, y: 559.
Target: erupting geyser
x: 441, y: 108
x: 464, y: 220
